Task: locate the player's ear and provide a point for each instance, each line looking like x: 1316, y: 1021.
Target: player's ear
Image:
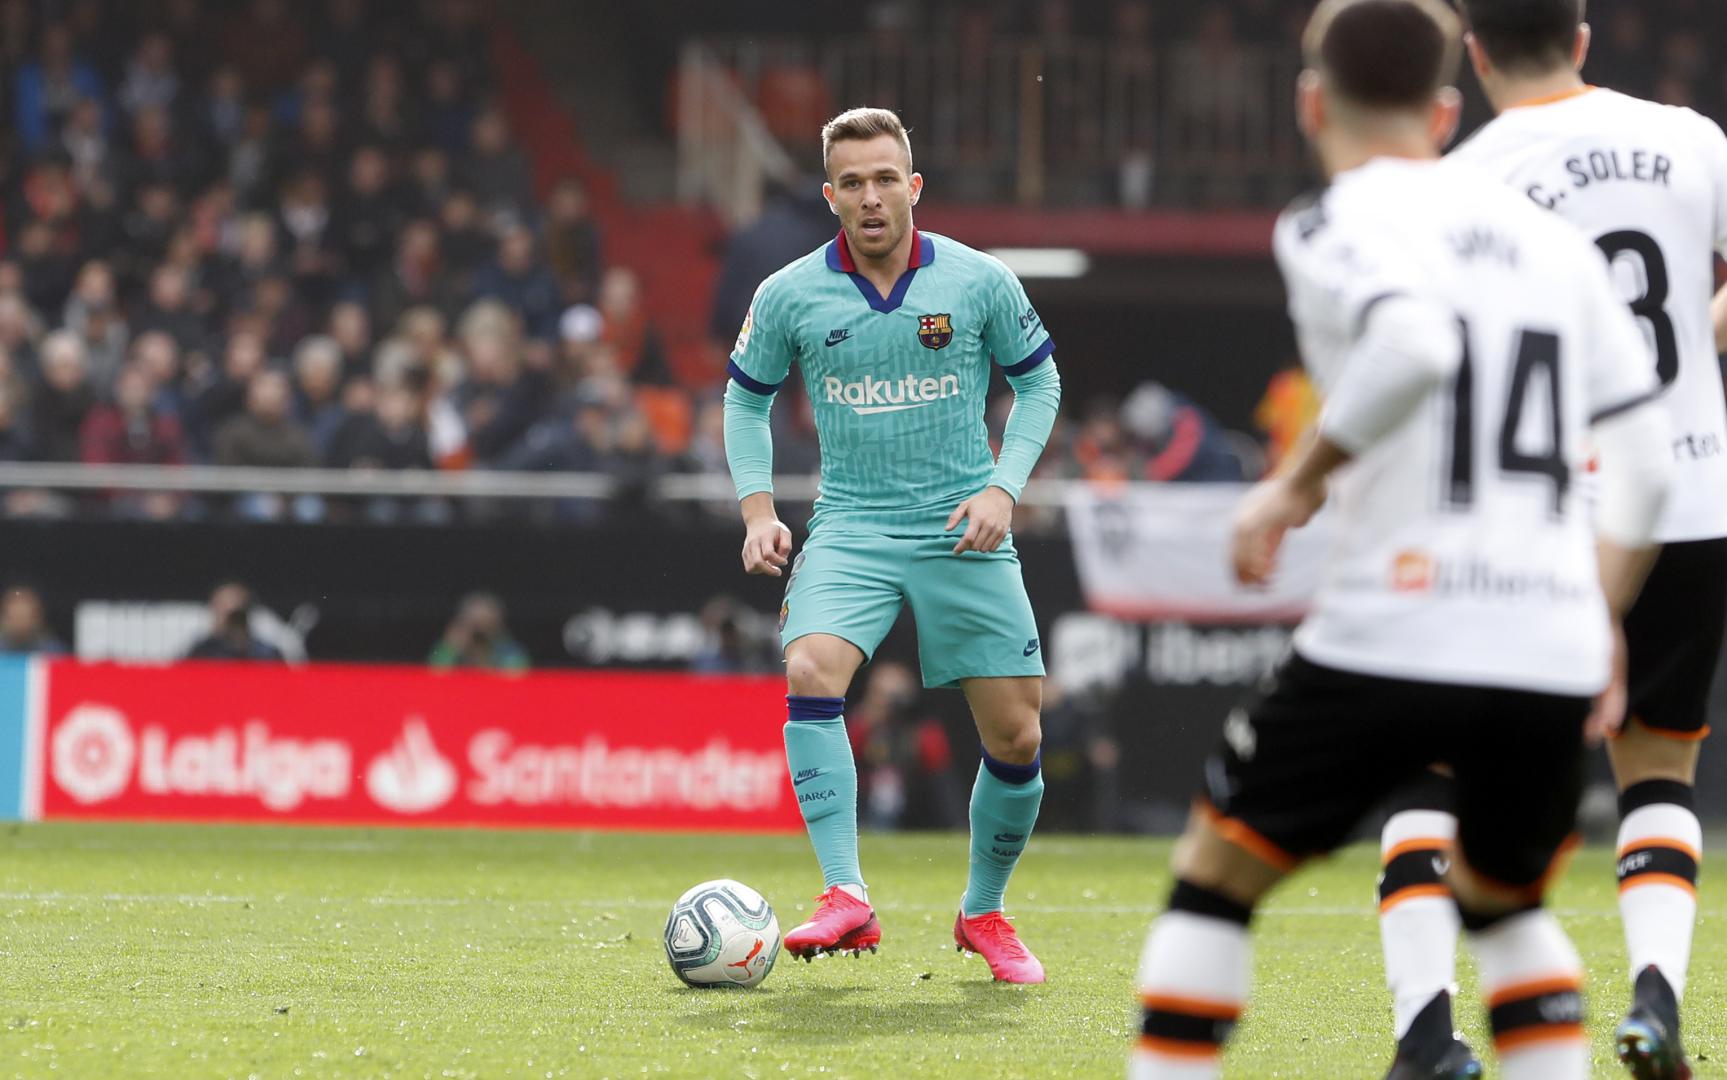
x: 1447, y: 115
x: 1309, y: 103
x: 1477, y: 56
x: 1580, y: 51
x: 916, y: 187
x: 828, y: 194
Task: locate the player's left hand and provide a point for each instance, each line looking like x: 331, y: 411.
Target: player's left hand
x: 989, y: 515
x: 1271, y: 509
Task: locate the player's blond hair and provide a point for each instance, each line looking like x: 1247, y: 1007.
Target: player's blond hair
x: 863, y: 125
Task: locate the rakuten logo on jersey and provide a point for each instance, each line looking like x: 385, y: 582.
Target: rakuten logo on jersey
x: 872, y: 395
x: 96, y: 755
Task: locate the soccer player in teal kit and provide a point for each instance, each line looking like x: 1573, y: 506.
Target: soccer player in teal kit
x: 895, y: 333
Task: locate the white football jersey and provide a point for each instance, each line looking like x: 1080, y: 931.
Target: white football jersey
x: 1463, y: 552
x: 1648, y: 184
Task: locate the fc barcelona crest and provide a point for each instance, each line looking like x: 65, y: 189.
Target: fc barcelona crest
x: 935, y: 331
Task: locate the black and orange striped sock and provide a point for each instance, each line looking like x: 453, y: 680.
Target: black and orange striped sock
x: 1660, y: 854
x: 1533, y: 981
x: 1193, y: 980
x: 1418, y: 924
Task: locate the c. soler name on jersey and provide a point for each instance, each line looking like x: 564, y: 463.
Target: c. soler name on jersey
x: 1607, y: 166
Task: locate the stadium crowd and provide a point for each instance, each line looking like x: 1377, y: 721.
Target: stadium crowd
x: 275, y: 235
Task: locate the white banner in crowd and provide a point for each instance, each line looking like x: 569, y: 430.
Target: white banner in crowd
x: 1161, y: 553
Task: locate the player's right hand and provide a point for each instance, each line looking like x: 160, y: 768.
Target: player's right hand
x: 767, y: 547
x: 1266, y: 513
x: 1608, y: 714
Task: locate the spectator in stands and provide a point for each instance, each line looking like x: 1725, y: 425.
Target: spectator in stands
x: 85, y: 139
x: 48, y: 88
x: 15, y: 442
x: 20, y: 329
x: 428, y: 182
x: 351, y: 328
x: 24, y: 624
x: 414, y: 278
x: 795, y: 221
x: 224, y: 397
x: 93, y: 313
x: 231, y: 636
x: 478, y: 638
x: 169, y: 308
x: 468, y: 244
x: 46, y: 265
x: 222, y: 119
x: 495, y: 169
x: 317, y: 390
x: 502, y: 397
x: 522, y: 282
x: 383, y: 119
x: 62, y: 401
x: 265, y: 435
x: 905, y: 760
x: 1178, y: 440
x: 627, y: 328
x: 364, y: 218
x: 151, y: 81
x: 158, y: 357
x: 266, y: 43
x: 733, y: 642
x: 159, y: 156
x: 446, y: 115
x: 573, y: 241
x: 132, y: 430
x: 388, y: 435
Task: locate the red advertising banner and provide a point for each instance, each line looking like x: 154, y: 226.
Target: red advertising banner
x: 391, y: 745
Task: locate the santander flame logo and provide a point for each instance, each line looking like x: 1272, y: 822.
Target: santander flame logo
x: 411, y: 777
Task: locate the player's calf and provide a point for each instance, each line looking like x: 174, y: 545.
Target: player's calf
x: 1418, y: 927
x: 1193, y: 982
x: 1533, y: 981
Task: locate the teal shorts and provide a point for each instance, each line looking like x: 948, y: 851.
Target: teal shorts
x: 973, y: 617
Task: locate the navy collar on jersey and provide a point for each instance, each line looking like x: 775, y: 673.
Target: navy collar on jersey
x: 840, y: 261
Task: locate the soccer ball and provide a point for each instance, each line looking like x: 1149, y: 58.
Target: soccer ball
x: 721, y: 933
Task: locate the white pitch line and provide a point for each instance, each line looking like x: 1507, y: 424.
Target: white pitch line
x: 1314, y: 911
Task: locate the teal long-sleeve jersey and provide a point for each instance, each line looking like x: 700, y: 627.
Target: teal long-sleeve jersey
x: 898, y: 382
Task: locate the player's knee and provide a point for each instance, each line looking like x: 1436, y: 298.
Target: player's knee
x: 1022, y: 748
x: 1484, y: 900
x: 807, y: 674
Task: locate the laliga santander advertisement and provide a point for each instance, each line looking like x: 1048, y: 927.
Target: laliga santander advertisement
x: 240, y: 742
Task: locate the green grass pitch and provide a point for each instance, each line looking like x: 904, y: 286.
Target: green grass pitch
x: 178, y: 951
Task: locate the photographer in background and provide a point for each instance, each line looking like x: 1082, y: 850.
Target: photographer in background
x: 477, y: 638
x: 24, y: 626
x: 230, y: 636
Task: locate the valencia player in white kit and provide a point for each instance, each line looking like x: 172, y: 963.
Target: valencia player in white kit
x: 1470, y: 347
x: 1646, y: 183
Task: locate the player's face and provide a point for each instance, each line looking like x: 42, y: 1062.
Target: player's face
x: 872, y: 189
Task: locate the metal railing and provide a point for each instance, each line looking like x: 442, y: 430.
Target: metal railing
x: 725, y: 154
x: 211, y: 479
x: 1068, y: 122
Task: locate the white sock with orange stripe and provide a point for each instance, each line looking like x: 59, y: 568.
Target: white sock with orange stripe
x: 1418, y: 923
x: 1533, y: 980
x: 1193, y: 980
x: 1660, y: 850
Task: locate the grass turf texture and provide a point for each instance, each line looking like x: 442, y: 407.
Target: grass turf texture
x: 180, y: 951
